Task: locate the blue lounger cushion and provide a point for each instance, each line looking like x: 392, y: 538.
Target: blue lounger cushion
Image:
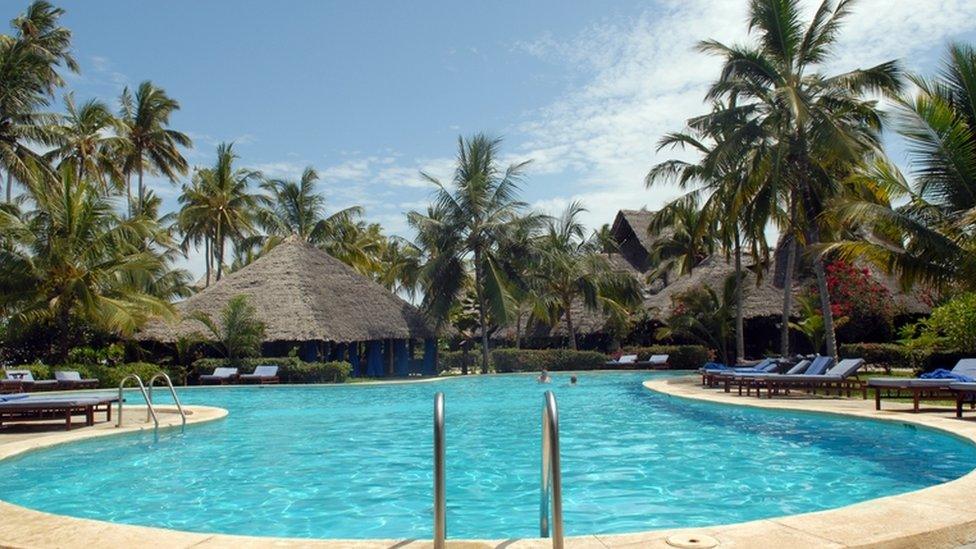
x: 15, y: 396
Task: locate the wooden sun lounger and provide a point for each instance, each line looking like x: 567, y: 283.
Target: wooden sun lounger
x: 842, y: 377
x: 41, y: 408
x: 920, y: 389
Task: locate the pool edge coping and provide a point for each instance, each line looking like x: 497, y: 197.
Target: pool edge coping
x: 874, y: 523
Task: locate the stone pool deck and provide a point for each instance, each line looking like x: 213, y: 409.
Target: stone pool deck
x: 940, y: 516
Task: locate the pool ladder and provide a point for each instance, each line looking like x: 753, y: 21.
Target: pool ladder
x: 552, y: 489
x: 147, y: 396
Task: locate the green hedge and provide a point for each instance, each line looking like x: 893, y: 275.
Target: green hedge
x: 290, y: 370
x: 108, y: 377
x: 893, y: 355
x: 529, y: 360
x: 452, y: 360
x: 680, y: 357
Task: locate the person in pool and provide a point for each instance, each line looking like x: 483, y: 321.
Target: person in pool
x: 544, y: 377
x: 572, y: 380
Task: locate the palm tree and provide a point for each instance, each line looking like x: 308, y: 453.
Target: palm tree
x: 475, y: 208
x: 151, y: 144
x: 728, y: 177
x: 573, y: 270
x: 931, y: 238
x: 71, y: 261
x: 29, y: 74
x: 239, y: 333
x: 685, y: 236
x: 296, y: 208
x: 819, y: 125
x: 84, y: 141
x: 218, y: 205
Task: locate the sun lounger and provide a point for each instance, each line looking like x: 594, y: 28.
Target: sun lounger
x: 73, y: 380
x: 712, y: 377
x: 262, y: 375
x: 658, y: 362
x: 922, y: 389
x: 23, y: 407
x: 22, y: 381
x: 750, y: 380
x: 627, y: 360
x: 838, y: 377
x: 220, y: 376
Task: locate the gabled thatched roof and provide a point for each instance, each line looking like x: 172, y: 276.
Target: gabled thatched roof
x: 302, y: 294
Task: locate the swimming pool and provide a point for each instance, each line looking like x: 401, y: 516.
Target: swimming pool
x: 355, y: 462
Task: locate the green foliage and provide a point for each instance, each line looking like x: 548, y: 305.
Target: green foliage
x: 951, y: 326
x: 811, y: 323
x: 290, y: 370
x: 453, y: 360
x: 530, y: 360
x: 700, y: 314
x: 111, y: 355
x: 680, y: 357
x: 239, y: 333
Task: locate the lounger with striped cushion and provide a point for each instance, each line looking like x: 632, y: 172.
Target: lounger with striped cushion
x: 920, y: 389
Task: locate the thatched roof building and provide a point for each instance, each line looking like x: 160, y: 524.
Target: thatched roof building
x: 306, y: 297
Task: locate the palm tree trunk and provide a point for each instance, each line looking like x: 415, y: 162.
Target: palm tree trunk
x: 740, y: 338
x: 788, y: 298
x: 141, y: 192
x: 482, y: 316
x: 128, y: 193
x: 827, y: 312
x: 206, y: 253
x: 219, y: 245
x: 569, y: 326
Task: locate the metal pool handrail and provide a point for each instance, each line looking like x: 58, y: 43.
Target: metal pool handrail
x: 142, y: 389
x: 440, y: 506
x: 551, y: 474
x: 172, y: 391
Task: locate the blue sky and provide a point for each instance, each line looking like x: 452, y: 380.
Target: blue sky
x: 369, y: 93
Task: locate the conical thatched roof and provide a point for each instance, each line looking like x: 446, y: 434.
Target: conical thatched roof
x: 302, y: 294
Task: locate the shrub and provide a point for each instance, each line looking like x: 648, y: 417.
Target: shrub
x: 884, y: 355
x: 38, y: 370
x: 530, y: 360
x: 112, y: 355
x: 680, y: 357
x: 452, y: 360
x: 953, y: 325
x: 290, y: 369
x: 864, y: 301
x: 893, y: 355
x: 109, y: 377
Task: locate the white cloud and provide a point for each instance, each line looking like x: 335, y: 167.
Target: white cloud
x: 644, y: 78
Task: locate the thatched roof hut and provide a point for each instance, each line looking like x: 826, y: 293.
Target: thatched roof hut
x: 305, y: 296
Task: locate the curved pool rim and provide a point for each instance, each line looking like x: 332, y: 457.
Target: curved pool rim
x: 894, y: 519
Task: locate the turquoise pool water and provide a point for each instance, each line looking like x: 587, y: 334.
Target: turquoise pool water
x: 355, y: 462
